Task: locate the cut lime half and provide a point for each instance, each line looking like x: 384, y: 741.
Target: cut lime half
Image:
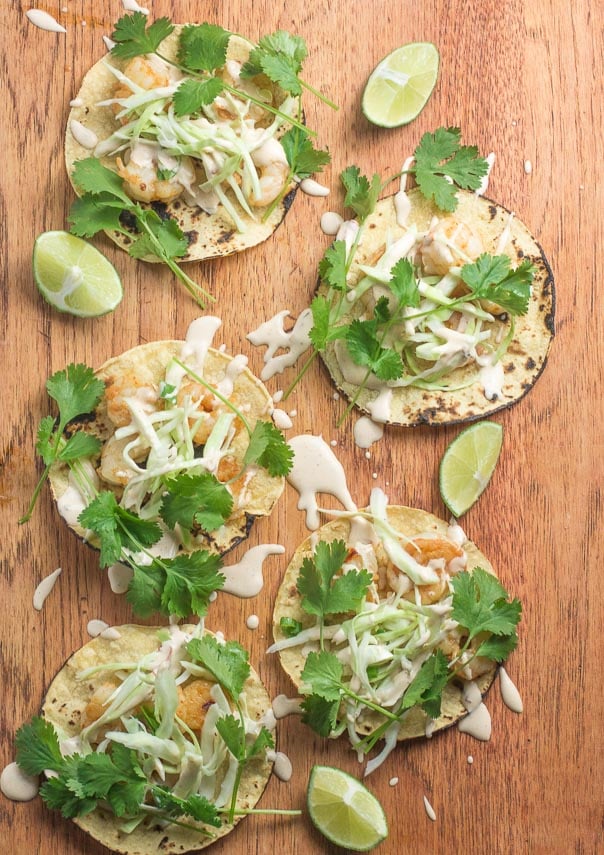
x: 344, y: 810
x: 399, y: 87
x: 74, y: 277
x: 468, y: 464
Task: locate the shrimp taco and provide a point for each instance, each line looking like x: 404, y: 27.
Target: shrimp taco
x: 200, y: 146
x: 185, y: 454
x: 374, y: 624
x: 136, y: 739
x: 458, y: 309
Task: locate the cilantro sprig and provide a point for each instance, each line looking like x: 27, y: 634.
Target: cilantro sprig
x: 442, y: 164
x: 102, y: 207
x: 228, y: 664
x: 180, y: 586
x: 486, y: 617
x: 76, y: 391
x: 202, y: 52
x: 115, y: 778
x: 324, y: 588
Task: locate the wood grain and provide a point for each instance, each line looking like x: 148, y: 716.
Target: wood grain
x: 519, y: 80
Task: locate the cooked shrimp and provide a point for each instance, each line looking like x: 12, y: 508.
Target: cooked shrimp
x: 113, y: 468
x: 274, y: 170
x: 194, y: 700
x: 140, y: 174
x: 119, y: 388
x: 206, y: 405
x: 451, y: 646
x: 272, y: 182
x: 446, y: 558
x: 98, y: 702
x: 448, y: 243
x: 147, y: 72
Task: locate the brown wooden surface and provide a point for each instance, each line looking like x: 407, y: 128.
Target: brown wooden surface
x: 519, y: 80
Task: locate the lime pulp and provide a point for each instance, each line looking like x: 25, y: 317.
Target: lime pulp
x: 400, y: 85
x: 468, y: 464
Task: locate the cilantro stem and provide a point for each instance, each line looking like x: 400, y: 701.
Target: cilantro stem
x: 265, y: 812
x: 367, y: 703
x: 215, y: 392
x: 160, y: 814
x: 316, y: 92
x: 36, y: 493
x: 300, y: 375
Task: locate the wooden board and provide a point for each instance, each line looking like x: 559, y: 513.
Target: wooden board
x: 518, y: 78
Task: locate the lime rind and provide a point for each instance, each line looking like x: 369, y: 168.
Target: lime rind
x: 468, y: 465
x: 344, y: 810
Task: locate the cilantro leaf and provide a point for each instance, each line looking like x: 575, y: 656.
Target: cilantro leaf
x: 228, y: 663
x: 193, y: 94
x: 203, y: 47
x: 491, y: 277
x: 117, y: 528
x: 279, y: 56
x: 290, y: 627
x: 323, y: 673
x: 92, y: 214
x: 37, y: 747
x: 134, y: 38
x: 332, y: 267
x: 440, y: 159
x: 262, y: 741
x: 426, y: 688
x: 269, y: 449
x: 497, y: 647
x: 195, y: 806
x: 303, y: 158
x: 323, y: 592
x: 58, y: 795
x: 320, y: 714
x: 78, y: 445
x: 194, y: 499
x: 232, y: 732
x: 381, y: 310
x: 361, y: 194
x: 164, y: 240
x: 403, y: 284
x: 145, y: 589
x: 190, y: 579
x: 365, y: 349
x: 90, y: 176
x: 480, y: 604
x: 44, y: 443
x: 76, y: 391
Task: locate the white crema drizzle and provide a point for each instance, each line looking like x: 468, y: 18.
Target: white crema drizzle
x: 44, y: 588
x: 273, y: 335
x: 245, y: 579
x: 316, y: 469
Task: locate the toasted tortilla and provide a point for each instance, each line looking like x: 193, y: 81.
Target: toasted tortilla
x: 209, y: 235
x: 526, y: 356
x: 149, y: 361
x: 411, y: 522
x: 65, y: 705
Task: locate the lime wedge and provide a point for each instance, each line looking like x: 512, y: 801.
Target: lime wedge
x: 74, y: 277
x: 344, y: 810
x: 399, y: 87
x: 468, y: 464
